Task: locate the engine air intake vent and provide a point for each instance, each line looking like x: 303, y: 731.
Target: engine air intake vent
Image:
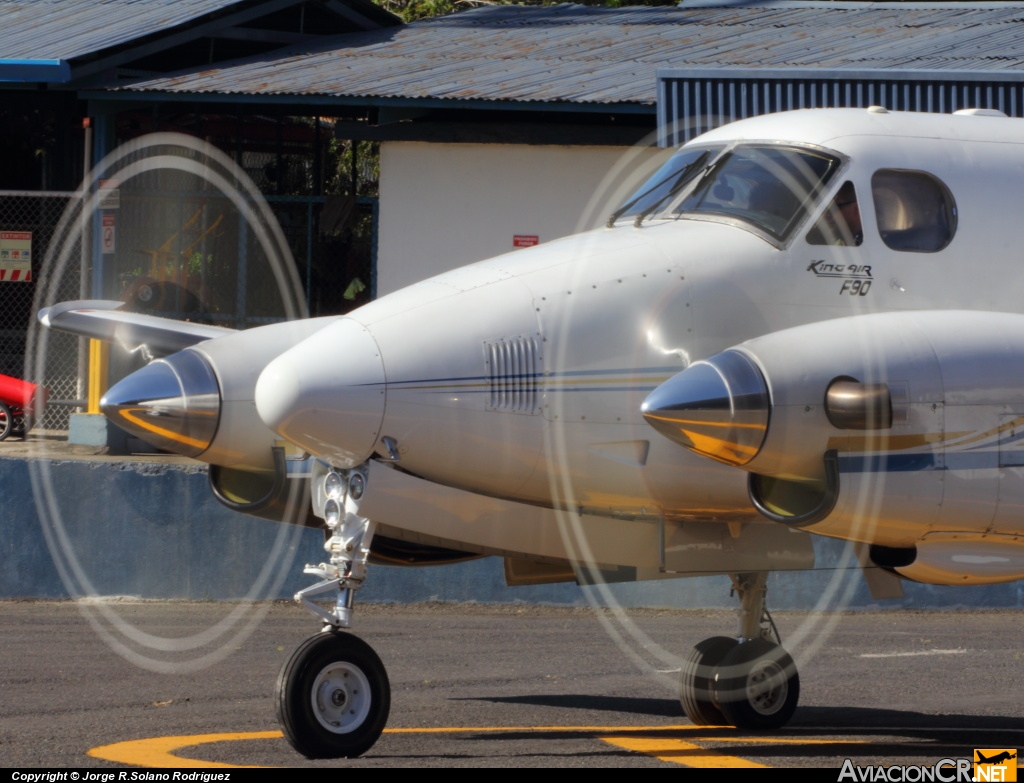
x: 513, y: 372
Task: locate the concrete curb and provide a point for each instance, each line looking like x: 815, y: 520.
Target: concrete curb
x: 154, y: 531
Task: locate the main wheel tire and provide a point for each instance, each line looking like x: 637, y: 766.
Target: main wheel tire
x: 6, y: 421
x: 333, y: 696
x: 757, y: 686
x: 697, y: 677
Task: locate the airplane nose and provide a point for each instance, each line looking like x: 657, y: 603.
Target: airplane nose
x: 327, y: 393
x: 717, y: 407
x: 171, y: 403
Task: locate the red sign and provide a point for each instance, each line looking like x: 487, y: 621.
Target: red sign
x: 524, y: 240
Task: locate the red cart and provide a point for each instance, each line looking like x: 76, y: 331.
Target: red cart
x: 18, y: 399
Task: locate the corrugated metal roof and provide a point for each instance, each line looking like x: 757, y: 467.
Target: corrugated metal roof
x: 571, y: 53
x: 65, y: 29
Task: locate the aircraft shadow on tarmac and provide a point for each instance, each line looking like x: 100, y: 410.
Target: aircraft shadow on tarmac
x: 945, y: 734
x: 654, y: 707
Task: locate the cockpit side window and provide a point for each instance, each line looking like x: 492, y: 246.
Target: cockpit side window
x: 915, y: 210
x: 840, y: 223
x: 768, y: 185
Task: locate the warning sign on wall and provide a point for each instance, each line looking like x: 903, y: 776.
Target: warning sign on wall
x: 524, y: 240
x: 108, y: 234
x: 16, y: 256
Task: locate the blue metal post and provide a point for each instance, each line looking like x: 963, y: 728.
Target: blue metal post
x: 309, y: 252
x: 102, y: 143
x: 242, y: 277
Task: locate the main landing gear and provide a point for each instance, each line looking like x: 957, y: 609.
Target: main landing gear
x: 750, y: 682
x: 333, y: 694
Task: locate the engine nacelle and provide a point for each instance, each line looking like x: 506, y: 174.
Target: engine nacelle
x: 883, y: 384
x: 924, y: 403
x: 200, y: 401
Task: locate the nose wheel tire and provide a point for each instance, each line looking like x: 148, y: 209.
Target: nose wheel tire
x: 757, y: 685
x: 697, y: 678
x: 333, y: 696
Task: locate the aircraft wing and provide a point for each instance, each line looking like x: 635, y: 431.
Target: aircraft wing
x: 104, y: 320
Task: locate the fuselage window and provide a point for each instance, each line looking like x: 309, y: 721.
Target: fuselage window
x: 768, y: 185
x: 915, y: 211
x: 840, y: 223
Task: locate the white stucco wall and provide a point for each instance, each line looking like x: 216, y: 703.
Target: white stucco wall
x: 447, y: 205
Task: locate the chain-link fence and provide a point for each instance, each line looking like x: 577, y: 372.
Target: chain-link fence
x: 28, y: 221
x: 334, y: 242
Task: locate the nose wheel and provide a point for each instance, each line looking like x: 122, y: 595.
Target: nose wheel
x: 750, y: 682
x: 757, y: 685
x: 333, y: 696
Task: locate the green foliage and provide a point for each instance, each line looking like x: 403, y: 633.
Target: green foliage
x: 414, y: 10
x: 198, y: 263
x: 338, y: 166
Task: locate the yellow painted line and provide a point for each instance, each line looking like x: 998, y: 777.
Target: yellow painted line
x: 580, y: 729
x: 790, y: 741
x: 677, y: 751
x: 159, y: 751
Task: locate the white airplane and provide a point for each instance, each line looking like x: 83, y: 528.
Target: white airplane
x: 806, y: 322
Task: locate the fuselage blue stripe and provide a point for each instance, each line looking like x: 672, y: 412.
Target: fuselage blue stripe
x: 540, y: 376
x: 958, y: 460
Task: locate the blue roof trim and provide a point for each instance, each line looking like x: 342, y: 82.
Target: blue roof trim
x: 52, y: 71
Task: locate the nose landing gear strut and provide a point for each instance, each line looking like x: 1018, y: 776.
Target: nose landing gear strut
x: 333, y: 694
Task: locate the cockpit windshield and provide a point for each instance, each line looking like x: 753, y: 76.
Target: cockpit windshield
x: 771, y: 186
x: 666, y: 183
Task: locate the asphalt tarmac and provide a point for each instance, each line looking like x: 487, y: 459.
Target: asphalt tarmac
x: 186, y: 684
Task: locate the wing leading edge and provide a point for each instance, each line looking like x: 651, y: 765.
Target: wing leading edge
x: 104, y: 320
